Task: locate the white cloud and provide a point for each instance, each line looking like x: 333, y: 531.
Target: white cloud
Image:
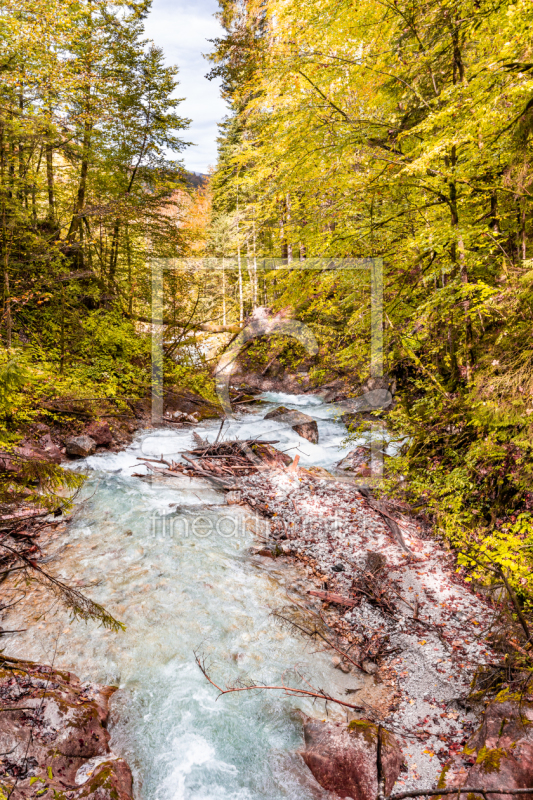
x: 182, y: 29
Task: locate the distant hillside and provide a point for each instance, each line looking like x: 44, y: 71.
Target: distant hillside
x: 197, y: 179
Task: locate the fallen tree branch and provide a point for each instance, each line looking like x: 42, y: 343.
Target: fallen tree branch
x: 289, y: 690
x: 391, y: 522
x: 330, y: 597
x: 457, y: 790
x: 78, y: 604
x: 319, y: 634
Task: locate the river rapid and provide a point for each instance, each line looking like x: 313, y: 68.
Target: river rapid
x: 173, y: 562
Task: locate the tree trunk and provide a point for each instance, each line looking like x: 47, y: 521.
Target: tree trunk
x: 223, y: 291
x: 79, y: 204
x: 241, y: 298
x: 50, y: 183
x: 7, y: 295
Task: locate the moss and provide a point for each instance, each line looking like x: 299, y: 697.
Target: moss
x: 490, y: 760
x: 506, y: 695
x: 441, y: 783
x: 103, y: 780
x: 370, y: 731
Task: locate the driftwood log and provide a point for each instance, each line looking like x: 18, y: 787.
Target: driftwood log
x: 221, y: 462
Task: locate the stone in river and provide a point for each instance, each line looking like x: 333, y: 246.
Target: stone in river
x: 81, y: 446
x: 304, y: 425
x: 343, y: 758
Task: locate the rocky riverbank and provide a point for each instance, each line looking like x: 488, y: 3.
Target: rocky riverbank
x: 53, y: 737
x: 403, y: 613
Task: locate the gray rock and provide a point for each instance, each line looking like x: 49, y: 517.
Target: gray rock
x: 304, y: 425
x: 81, y: 446
x: 338, y: 663
x: 371, y: 667
x: 233, y: 498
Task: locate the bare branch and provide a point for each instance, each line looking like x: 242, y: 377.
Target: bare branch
x: 288, y: 690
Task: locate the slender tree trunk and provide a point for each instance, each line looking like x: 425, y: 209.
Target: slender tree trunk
x: 459, y: 259
x: 22, y: 193
x: 62, y: 345
x: 255, y: 286
x: 50, y: 183
x: 7, y: 295
x: 223, y: 290
x: 241, y: 298
x: 79, y: 204
x: 288, y: 221
x: 523, y: 240
x: 494, y: 222
x: 130, y: 279
x: 113, y: 258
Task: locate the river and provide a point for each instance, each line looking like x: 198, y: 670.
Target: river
x: 173, y: 563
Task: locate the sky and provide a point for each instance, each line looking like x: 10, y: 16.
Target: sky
x: 181, y: 28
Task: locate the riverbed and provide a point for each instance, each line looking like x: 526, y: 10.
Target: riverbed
x: 174, y: 564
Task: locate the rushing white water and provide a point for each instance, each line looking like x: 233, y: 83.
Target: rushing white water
x: 188, y: 585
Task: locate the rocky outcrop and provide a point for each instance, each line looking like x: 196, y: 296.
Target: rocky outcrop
x: 304, y: 425
x: 500, y: 752
x: 51, y: 449
x: 343, y: 759
x: 53, y: 737
x: 80, y: 446
x: 14, y: 460
x: 276, y: 380
x: 187, y: 403
x: 100, y: 432
x: 357, y: 461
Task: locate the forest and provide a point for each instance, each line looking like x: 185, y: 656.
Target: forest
x: 397, y: 131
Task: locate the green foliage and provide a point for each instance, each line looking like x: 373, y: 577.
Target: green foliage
x: 13, y: 377
x: 403, y: 131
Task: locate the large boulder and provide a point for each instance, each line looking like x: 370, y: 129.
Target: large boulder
x: 53, y: 737
x: 501, y: 750
x: 357, y: 461
x: 304, y: 425
x: 100, y: 432
x: 81, y: 446
x: 343, y: 759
